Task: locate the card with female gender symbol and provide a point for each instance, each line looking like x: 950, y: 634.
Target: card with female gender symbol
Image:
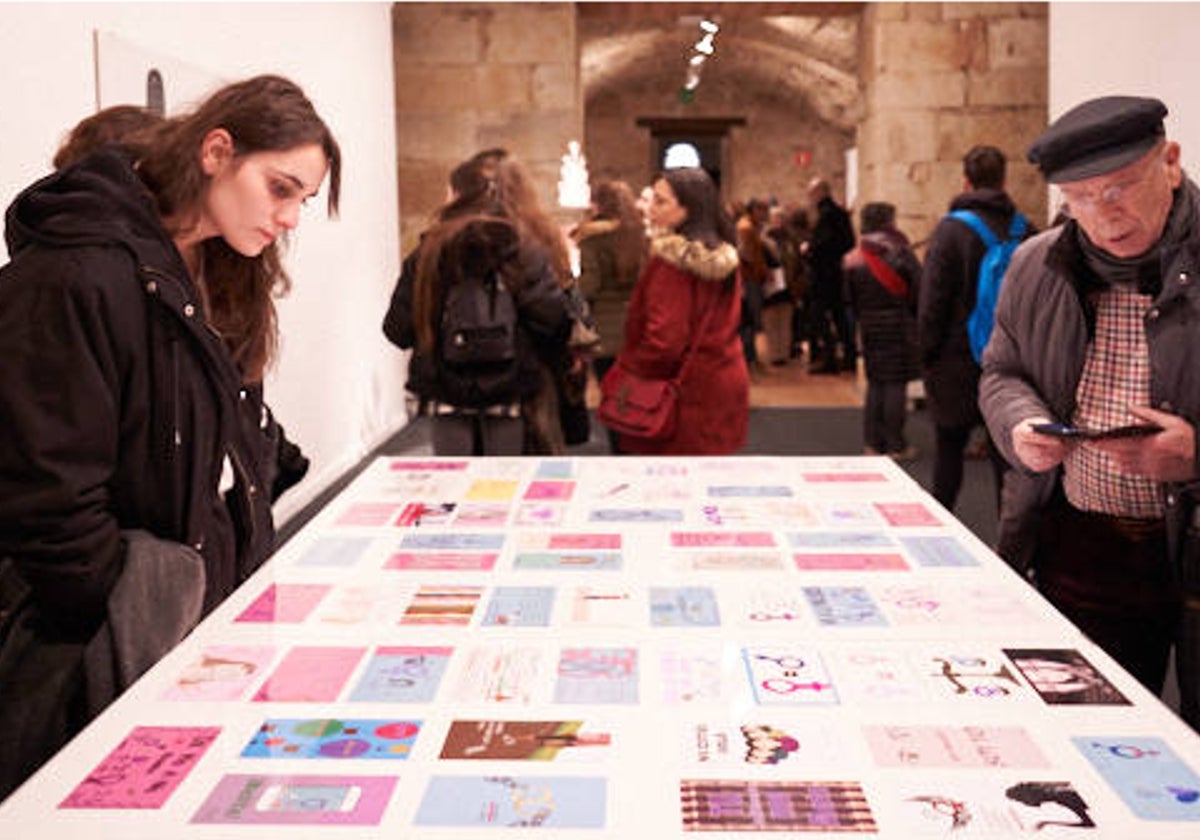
x: 788, y: 676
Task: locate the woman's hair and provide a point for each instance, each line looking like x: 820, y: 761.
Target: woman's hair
x: 128, y: 126
x: 615, y: 201
x: 518, y: 200
x: 261, y: 114
x: 706, y: 220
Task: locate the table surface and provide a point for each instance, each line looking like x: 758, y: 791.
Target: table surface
x: 628, y: 647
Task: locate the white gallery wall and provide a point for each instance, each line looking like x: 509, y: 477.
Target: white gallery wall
x: 337, y: 387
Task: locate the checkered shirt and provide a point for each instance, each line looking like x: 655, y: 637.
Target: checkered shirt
x: 1115, y: 375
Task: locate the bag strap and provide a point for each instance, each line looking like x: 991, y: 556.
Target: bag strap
x: 689, y: 353
x: 885, y: 274
x: 976, y: 224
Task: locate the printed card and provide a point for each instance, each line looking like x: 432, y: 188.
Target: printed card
x: 367, y: 514
x: 336, y: 552
x: 450, y: 561
x: 550, y: 491
x: 991, y: 809
x: 221, y: 673
x: 284, y: 603
x: 722, y: 539
x: 844, y: 606
x: 634, y: 515
x: 762, y: 806
x: 869, y: 675
x: 858, y: 515
x: 970, y: 676
x: 520, y: 606
x: 524, y: 740
x: 683, y: 606
x: 551, y: 469
x: 839, y: 539
x: 1146, y: 774
x: 843, y: 477
x: 774, y: 606
x: 402, y: 675
x: 144, y: 769
x: 455, y: 541
x: 498, y: 674
x: 321, y: 738
x: 404, y: 465
x: 310, y: 675
x: 691, y: 677
x: 442, y: 606
x: 758, y: 512
x: 581, y: 560
x: 601, y: 606
x: 728, y: 561
x: 813, y: 746
x: 953, y: 746
x: 259, y: 799
x: 379, y: 603
x: 1064, y: 678
x: 938, y: 552
x: 491, y: 490
x: 415, y: 514
x: 849, y: 562
x: 541, y: 514
x: 788, y: 677
x: 481, y: 515
x: 597, y: 675
x: 907, y: 514
x: 749, y: 491
x: 514, y: 802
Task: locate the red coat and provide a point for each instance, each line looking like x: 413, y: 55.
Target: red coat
x: 682, y: 281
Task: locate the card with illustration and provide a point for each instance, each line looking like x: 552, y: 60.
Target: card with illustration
x: 970, y: 676
x: 497, y: 674
x: 221, y: 673
x: 562, y: 741
x: 849, y: 561
x: 597, y: 675
x: 991, y: 809
x: 402, y: 675
x: 262, y: 799
x: 481, y: 515
x: 858, y: 515
x: 728, y: 561
x: 938, y: 552
x: 872, y: 675
x: 379, y: 603
x: 749, y: 491
x: 635, y: 515
x: 144, y: 769
x: 683, y: 606
x: 691, y: 677
x: 407, y: 465
x: 579, y: 560
x: 284, y: 603
x: 843, y: 606
x: 551, y: 469
x: 764, y: 744
x: 1063, y: 677
x: 840, y: 539
x: 914, y: 604
x: 722, y: 539
x: 774, y: 806
x: 514, y: 802
x: 550, y: 491
x: 452, y: 541
x: 788, y: 677
x: 1146, y: 774
x: 899, y: 745
x: 442, y: 606
x: 449, y: 561
x: 844, y: 477
x: 767, y: 607
x: 759, y: 512
x: 322, y: 738
x: 491, y: 490
x: 907, y: 514
x: 415, y: 514
x: 310, y: 675
x: 367, y: 514
x: 334, y: 552
x: 541, y: 514
x: 520, y: 606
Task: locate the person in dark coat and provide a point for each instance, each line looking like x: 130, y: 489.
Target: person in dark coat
x: 832, y: 238
x: 120, y: 403
x: 881, y: 282
x: 945, y: 300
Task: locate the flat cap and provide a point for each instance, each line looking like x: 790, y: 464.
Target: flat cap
x: 1097, y: 137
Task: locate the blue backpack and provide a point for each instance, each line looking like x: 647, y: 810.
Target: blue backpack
x: 991, y: 275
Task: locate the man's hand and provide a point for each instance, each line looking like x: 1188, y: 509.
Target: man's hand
x: 1037, y: 451
x: 1169, y: 455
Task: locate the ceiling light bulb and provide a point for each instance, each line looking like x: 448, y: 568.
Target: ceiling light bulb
x: 709, y: 26
x: 697, y: 60
x: 705, y: 45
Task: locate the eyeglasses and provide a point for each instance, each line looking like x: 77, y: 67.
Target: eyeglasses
x: 1111, y: 194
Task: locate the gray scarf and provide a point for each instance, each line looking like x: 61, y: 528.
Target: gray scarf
x: 1144, y: 270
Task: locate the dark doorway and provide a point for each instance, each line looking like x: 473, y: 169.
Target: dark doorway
x: 679, y: 135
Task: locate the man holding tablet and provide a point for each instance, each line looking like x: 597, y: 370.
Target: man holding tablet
x: 1091, y: 388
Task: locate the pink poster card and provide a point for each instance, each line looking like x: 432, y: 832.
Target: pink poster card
x: 221, y: 673
x: 284, y: 603
x: 556, y: 491
x: 862, y: 562
x: 368, y: 514
x: 310, y: 675
x: 730, y: 539
x: 261, y: 799
x: 844, y: 477
x: 144, y: 769
x: 428, y: 466
x: 583, y: 541
x: 906, y: 514
x: 413, y: 561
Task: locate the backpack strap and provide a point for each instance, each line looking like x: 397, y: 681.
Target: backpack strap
x: 971, y: 219
x: 1018, y: 226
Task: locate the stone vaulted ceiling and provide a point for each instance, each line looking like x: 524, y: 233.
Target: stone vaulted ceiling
x: 796, y: 51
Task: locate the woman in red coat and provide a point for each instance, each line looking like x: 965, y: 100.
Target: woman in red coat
x: 687, y: 301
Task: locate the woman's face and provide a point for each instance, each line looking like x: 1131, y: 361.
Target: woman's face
x: 666, y: 213
x: 252, y: 199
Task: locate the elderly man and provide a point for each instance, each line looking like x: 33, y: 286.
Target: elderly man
x: 1097, y: 328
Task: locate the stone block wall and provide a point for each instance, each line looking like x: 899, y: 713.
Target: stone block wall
x: 938, y: 79
x: 475, y: 75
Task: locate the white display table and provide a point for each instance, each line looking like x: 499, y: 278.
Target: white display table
x: 627, y: 648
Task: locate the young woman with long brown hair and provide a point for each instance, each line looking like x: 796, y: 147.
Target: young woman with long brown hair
x: 126, y: 451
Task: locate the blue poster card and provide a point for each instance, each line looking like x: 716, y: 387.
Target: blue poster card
x: 402, y: 675
x: 514, y: 802
x: 333, y: 738
x: 520, y: 606
x: 839, y: 539
x: 636, y: 515
x: 455, y: 541
x: 1148, y: 777
x: 938, y: 551
x: 750, y: 491
x: 844, y: 606
x: 683, y: 606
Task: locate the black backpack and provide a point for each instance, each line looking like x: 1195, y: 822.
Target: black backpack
x: 479, y: 363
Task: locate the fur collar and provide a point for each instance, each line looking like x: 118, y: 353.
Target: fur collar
x: 695, y: 257
x: 594, y: 227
